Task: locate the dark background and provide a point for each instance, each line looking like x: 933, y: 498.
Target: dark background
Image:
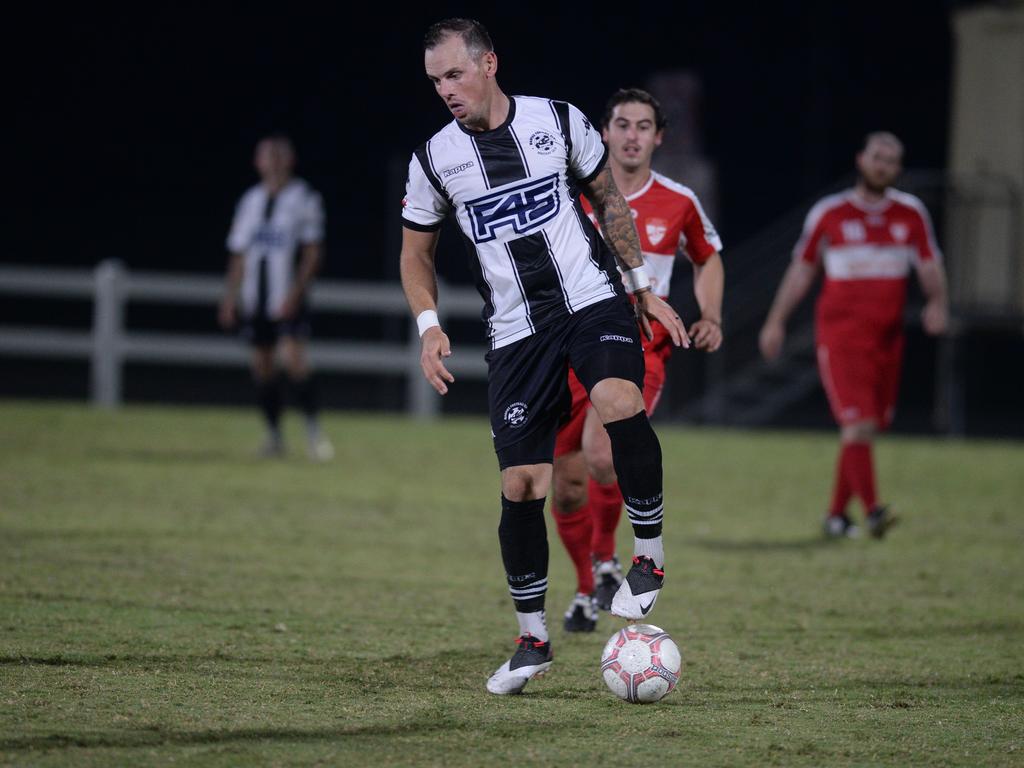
x: 134, y: 132
x: 133, y: 135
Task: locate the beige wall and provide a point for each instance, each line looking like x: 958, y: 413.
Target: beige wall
x: 987, y: 151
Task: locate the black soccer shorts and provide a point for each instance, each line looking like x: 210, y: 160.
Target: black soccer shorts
x: 527, y: 381
x: 261, y: 331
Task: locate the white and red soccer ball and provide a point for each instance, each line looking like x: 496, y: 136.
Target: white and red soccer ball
x: 641, y: 663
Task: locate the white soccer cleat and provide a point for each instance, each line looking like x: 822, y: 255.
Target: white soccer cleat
x: 531, y: 659
x: 319, y: 448
x: 639, y: 590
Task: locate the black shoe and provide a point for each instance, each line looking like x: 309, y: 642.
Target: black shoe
x: 531, y: 659
x: 607, y: 577
x: 839, y: 527
x: 880, y: 520
x: 582, y: 614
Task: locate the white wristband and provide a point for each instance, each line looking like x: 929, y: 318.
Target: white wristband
x: 636, y: 279
x: 426, y: 320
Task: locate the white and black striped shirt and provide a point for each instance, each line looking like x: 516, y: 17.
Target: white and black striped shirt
x: 513, y: 189
x: 267, y: 231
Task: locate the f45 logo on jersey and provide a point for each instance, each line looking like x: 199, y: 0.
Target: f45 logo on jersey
x: 524, y: 207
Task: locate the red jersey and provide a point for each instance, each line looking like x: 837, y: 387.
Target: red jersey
x: 670, y: 219
x: 867, y: 250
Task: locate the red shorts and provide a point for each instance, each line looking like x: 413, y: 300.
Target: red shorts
x: 656, y: 354
x: 861, y: 382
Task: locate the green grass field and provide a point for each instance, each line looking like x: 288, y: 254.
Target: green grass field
x: 166, y: 598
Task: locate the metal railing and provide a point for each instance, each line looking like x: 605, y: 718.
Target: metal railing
x: 109, y: 345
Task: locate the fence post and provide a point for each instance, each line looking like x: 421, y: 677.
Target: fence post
x: 424, y: 402
x: 107, y: 327
x: 949, y: 415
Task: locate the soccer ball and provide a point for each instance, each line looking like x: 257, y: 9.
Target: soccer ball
x: 641, y: 663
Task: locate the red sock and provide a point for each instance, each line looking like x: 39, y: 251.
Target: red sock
x: 861, y: 472
x: 574, y: 529
x: 606, y: 508
x: 841, y: 492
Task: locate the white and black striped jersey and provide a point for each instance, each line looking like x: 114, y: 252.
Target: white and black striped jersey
x: 267, y: 231
x: 536, y: 257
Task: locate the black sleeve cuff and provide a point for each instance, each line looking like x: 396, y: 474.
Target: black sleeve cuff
x: 598, y: 168
x: 422, y: 227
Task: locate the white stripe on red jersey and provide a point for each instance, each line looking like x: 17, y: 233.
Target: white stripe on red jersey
x: 670, y: 220
x: 867, y: 251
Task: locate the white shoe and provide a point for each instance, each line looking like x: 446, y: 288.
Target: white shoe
x: 840, y: 526
x: 531, y: 659
x: 319, y: 448
x: 639, y: 590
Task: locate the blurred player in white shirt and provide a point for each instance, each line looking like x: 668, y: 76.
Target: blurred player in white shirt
x: 265, y: 292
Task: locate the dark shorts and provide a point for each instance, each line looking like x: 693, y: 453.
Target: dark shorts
x: 262, y: 331
x: 527, y: 381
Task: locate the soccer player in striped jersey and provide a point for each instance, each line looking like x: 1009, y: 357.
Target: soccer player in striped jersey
x: 265, y: 290
x: 671, y: 222
x: 509, y: 169
x: 865, y: 240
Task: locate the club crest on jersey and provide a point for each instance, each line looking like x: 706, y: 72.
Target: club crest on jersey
x: 543, y: 142
x: 853, y: 231
x: 271, y: 237
x: 656, y: 229
x: 516, y: 415
x: 523, y: 207
x: 899, y: 231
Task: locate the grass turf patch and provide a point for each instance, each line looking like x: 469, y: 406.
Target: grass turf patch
x: 166, y: 597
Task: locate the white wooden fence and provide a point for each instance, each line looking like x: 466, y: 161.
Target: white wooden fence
x: 109, y: 344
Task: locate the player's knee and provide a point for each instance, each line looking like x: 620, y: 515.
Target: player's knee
x: 262, y: 366
x: 616, y: 399
x: 858, y: 432
x: 525, y: 483
x: 600, y: 465
x: 568, y: 494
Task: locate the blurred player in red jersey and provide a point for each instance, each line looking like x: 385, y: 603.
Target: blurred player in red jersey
x: 587, y: 502
x: 866, y: 239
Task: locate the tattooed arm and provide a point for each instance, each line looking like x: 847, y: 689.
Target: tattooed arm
x: 620, y: 234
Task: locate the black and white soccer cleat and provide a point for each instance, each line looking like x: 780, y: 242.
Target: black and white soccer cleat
x: 839, y: 527
x: 607, y: 578
x: 582, y: 614
x: 880, y: 520
x: 531, y: 659
x: 639, y: 590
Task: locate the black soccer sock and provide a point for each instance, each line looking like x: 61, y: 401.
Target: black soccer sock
x: 524, y: 550
x: 268, y: 394
x: 306, y: 396
x: 636, y: 454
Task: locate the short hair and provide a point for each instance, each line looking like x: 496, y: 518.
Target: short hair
x: 473, y: 34
x: 281, y: 139
x: 627, y: 95
x: 885, y: 137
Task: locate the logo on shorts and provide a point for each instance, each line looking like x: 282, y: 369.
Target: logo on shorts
x: 543, y: 142
x: 516, y: 415
x: 616, y: 337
